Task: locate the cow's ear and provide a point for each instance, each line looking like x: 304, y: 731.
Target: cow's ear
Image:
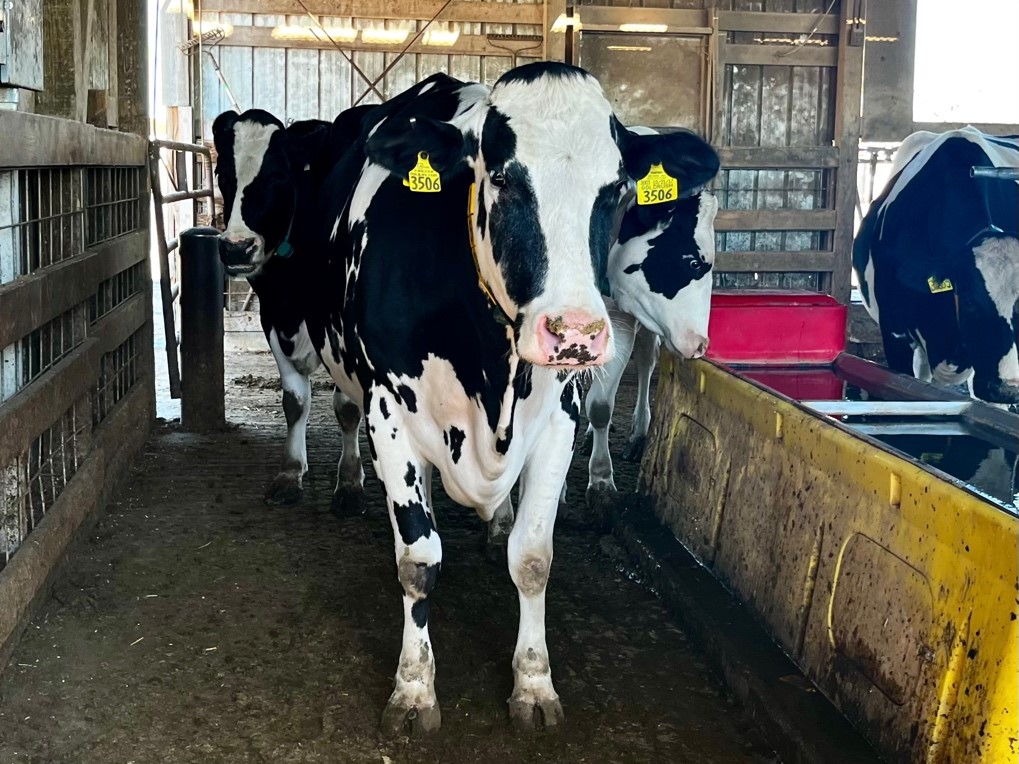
x: 305, y: 142
x: 224, y: 122
x: 398, y: 141
x: 684, y: 155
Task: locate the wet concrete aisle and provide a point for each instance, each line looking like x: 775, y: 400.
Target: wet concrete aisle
x: 196, y: 624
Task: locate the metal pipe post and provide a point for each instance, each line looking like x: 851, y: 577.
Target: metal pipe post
x: 202, y: 406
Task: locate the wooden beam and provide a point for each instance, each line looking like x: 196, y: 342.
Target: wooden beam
x: 466, y: 45
x: 45, y: 141
x: 132, y: 66
x: 774, y: 262
x: 31, y: 410
x: 779, y: 157
x: 778, y: 55
x: 421, y: 10
x: 789, y: 23
x: 600, y: 18
x: 115, y: 327
x: 775, y: 220
x: 32, y: 300
x: 848, y: 101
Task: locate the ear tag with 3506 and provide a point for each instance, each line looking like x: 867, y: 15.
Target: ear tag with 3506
x: 423, y: 179
x: 657, y: 186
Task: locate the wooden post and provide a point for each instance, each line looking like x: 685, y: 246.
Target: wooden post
x: 849, y: 93
x: 132, y: 66
x: 61, y: 42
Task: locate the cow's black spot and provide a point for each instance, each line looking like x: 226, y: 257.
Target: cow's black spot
x: 601, y: 414
x: 286, y: 344
x: 518, y: 242
x: 419, y: 613
x: 456, y: 439
x: 371, y: 443
x: 292, y: 408
x: 570, y: 402
x: 410, y: 400
x: 482, y: 211
x: 384, y: 408
x: 411, y: 475
x: 600, y: 231
x: 412, y: 521
x: 523, y: 384
x: 502, y: 446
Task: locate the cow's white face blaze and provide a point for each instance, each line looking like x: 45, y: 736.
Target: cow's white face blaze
x: 256, y: 171
x: 547, y: 176
x: 662, y: 275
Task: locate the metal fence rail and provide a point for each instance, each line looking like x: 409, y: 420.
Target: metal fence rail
x: 180, y: 173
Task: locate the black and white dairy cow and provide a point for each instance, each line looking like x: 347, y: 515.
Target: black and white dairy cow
x: 458, y: 319
x: 270, y: 177
x: 938, y: 263
x: 659, y: 289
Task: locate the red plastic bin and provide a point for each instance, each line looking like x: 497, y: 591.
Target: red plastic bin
x: 775, y: 327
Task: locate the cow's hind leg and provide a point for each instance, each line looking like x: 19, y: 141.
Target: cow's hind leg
x: 412, y: 708
x: 498, y: 531
x: 534, y: 703
x: 287, y: 486
x: 349, y: 496
x: 645, y: 353
x: 601, y: 401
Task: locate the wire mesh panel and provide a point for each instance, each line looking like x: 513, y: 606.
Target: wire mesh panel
x: 48, y: 228
x: 40, y: 351
x: 116, y: 290
x: 114, y: 202
x: 120, y: 370
x: 31, y: 483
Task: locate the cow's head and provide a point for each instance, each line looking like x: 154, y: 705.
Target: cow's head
x: 550, y: 162
x: 660, y: 269
x: 260, y: 168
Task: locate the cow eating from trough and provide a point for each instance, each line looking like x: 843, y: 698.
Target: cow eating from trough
x: 937, y: 258
x: 468, y: 231
x: 270, y: 176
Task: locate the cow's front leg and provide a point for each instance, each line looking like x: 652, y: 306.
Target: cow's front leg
x: 287, y: 486
x: 534, y: 703
x: 412, y: 707
x: 601, y: 401
x: 349, y: 496
x: 645, y: 354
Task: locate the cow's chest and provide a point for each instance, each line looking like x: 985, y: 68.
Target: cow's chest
x: 443, y: 425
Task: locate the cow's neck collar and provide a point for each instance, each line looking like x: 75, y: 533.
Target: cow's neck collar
x: 498, y: 313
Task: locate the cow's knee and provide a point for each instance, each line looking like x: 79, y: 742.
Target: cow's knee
x: 418, y: 578
x: 530, y: 573
x: 600, y: 414
x: 348, y: 413
x: 295, y: 404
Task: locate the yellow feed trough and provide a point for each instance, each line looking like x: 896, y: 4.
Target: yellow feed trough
x: 891, y: 586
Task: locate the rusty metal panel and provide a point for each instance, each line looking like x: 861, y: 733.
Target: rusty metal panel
x: 893, y: 589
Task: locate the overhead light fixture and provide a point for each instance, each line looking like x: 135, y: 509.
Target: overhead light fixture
x: 186, y: 7
x: 384, y: 36
x: 202, y: 27
x: 441, y: 38
x: 564, y: 22
x: 634, y: 48
x: 325, y: 34
x: 646, y: 28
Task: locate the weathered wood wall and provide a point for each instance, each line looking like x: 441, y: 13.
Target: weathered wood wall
x: 76, y: 365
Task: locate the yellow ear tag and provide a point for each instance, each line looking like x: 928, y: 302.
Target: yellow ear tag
x: 657, y: 187
x: 423, y: 179
x: 937, y: 287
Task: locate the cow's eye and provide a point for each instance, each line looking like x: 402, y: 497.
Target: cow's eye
x: 696, y: 265
x: 498, y: 178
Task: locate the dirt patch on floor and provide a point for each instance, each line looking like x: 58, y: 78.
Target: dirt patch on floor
x: 196, y: 624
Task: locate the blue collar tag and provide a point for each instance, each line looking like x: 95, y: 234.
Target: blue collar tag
x: 285, y: 249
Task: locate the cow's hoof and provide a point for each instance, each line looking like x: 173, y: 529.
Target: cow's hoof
x: 398, y: 720
x: 349, y: 501
x: 536, y: 714
x: 286, y: 489
x: 601, y: 504
x: 634, y: 450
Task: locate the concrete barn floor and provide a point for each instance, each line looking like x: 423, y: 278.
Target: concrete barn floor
x: 196, y: 624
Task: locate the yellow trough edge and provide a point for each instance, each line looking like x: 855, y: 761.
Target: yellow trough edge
x: 894, y: 590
